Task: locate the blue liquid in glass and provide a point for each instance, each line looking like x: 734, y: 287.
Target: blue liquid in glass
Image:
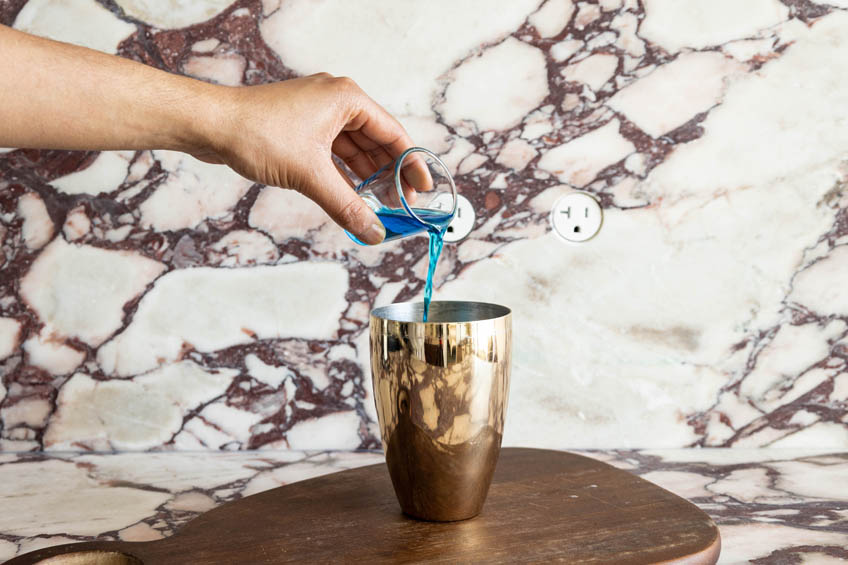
x: 399, y: 224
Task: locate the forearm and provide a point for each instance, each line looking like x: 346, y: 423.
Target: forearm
x: 59, y: 96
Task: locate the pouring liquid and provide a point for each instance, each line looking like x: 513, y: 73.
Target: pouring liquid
x: 436, y: 242
x: 400, y: 224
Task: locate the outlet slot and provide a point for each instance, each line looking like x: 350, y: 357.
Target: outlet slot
x: 569, y: 223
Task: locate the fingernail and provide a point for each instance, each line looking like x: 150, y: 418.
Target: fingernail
x: 374, y: 235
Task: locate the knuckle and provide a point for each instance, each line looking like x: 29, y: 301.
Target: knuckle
x: 350, y: 215
x: 347, y: 83
x: 351, y: 160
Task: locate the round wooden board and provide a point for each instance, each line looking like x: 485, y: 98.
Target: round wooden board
x: 543, y: 506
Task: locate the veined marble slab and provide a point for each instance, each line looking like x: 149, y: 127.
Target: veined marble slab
x: 151, y: 301
x: 778, y: 505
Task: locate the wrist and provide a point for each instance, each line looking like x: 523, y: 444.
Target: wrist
x: 195, y: 125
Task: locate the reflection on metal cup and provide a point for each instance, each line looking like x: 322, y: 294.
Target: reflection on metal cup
x: 441, y: 390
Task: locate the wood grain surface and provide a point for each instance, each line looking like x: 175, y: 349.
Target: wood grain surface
x: 543, y: 506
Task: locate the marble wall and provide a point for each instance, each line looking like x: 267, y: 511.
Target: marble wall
x: 150, y: 301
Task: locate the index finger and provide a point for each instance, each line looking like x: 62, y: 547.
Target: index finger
x: 374, y: 122
x: 383, y: 130
x: 416, y: 173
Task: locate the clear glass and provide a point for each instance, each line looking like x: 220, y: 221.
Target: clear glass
x: 413, y: 194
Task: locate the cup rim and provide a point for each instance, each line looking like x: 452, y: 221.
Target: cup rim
x: 399, y: 185
x: 412, y: 312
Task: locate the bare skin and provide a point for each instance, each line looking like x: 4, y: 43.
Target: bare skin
x: 59, y: 96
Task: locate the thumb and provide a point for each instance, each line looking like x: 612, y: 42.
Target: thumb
x: 333, y: 192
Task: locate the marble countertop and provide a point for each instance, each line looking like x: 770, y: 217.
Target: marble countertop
x: 773, y: 505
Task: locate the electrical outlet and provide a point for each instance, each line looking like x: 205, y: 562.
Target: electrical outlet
x: 577, y: 216
x: 463, y: 221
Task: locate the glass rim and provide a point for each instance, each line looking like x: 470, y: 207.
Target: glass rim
x: 399, y: 184
x: 457, y: 312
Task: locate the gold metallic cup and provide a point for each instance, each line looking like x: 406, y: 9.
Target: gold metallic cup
x: 441, y: 389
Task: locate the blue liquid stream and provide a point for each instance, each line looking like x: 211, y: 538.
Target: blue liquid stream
x: 436, y: 242
x: 399, y: 224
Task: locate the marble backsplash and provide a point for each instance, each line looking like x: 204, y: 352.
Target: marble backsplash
x: 151, y: 301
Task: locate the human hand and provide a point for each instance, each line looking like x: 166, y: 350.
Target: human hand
x: 281, y: 134
x: 284, y: 134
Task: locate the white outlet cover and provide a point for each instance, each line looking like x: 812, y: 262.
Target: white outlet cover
x: 577, y: 217
x: 463, y: 221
